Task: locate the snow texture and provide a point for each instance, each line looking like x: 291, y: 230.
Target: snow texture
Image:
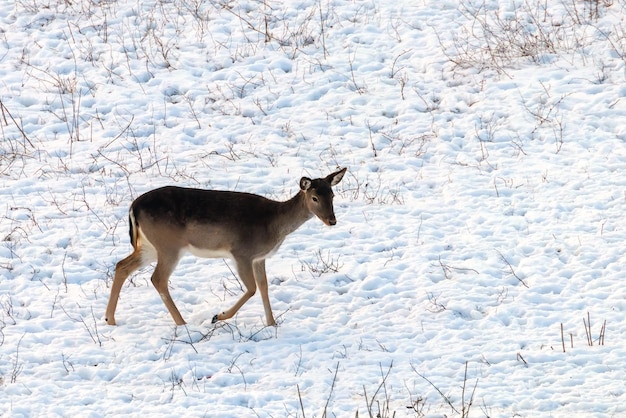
x: 480, y: 236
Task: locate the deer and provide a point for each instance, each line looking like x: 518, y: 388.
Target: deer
x: 167, y: 222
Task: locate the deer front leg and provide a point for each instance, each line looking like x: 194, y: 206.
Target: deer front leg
x: 261, y: 281
x: 245, y: 270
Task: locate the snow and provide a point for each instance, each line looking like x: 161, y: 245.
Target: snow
x: 481, y: 211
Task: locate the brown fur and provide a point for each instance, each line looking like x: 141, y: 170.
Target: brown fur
x: 248, y: 228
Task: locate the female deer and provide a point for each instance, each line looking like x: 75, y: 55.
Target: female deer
x: 247, y: 228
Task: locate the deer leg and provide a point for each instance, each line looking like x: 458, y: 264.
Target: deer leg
x: 246, y: 273
x: 160, y: 278
x: 261, y: 281
x: 122, y: 270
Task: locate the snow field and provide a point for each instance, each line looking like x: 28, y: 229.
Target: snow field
x: 481, y: 210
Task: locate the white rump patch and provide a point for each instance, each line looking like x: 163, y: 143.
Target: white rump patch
x: 147, y: 250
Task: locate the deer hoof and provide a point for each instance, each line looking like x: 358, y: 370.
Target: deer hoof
x: 215, y: 319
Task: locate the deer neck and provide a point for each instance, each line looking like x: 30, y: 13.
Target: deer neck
x: 292, y: 214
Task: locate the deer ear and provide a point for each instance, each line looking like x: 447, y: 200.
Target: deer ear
x: 305, y: 183
x: 336, y: 177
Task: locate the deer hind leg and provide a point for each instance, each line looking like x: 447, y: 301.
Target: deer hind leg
x: 246, y: 273
x: 160, y: 279
x: 139, y: 258
x: 261, y: 281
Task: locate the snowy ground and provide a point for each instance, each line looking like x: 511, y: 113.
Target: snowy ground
x: 481, y: 211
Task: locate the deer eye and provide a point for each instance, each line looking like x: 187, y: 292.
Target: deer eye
x: 315, y: 199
